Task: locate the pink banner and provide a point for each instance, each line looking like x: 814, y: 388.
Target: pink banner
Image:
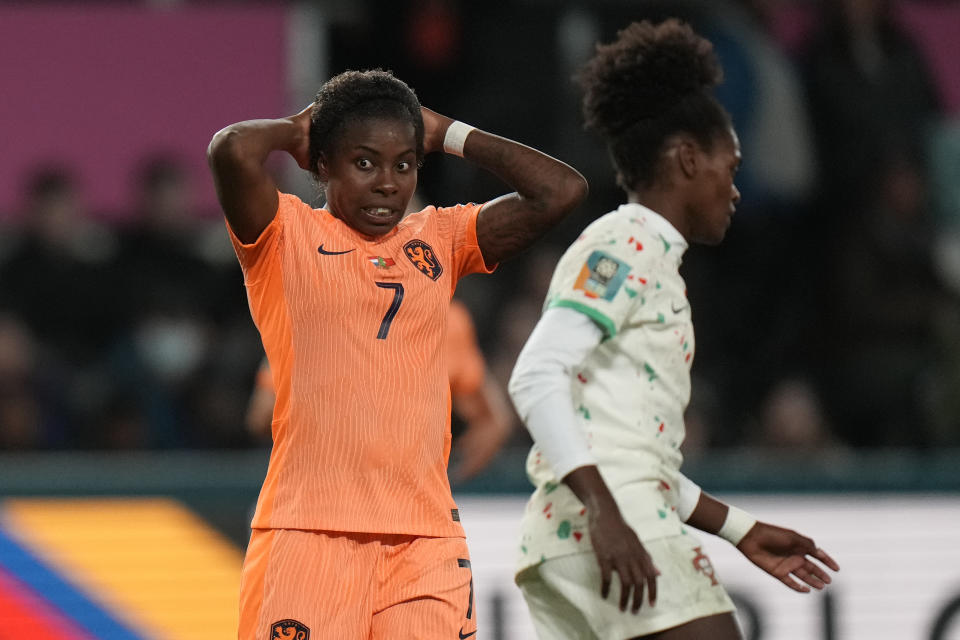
x: 101, y: 87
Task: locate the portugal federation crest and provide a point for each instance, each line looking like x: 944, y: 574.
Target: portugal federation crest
x: 423, y: 258
x: 289, y: 630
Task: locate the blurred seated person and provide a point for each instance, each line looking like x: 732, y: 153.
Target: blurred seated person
x: 161, y: 249
x: 887, y: 304
x: 31, y: 404
x: 793, y: 422
x: 56, y: 278
x: 484, y: 417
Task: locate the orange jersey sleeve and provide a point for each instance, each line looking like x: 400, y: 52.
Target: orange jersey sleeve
x: 465, y: 361
x: 355, y: 329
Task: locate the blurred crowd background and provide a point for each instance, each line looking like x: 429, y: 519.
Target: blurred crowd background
x: 828, y: 321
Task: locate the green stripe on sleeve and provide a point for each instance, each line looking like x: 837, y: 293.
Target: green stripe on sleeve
x: 605, y: 323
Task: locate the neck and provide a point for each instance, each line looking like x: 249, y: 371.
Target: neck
x: 665, y: 203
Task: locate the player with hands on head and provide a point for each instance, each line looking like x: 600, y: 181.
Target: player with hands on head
x: 356, y: 534
x: 604, y: 379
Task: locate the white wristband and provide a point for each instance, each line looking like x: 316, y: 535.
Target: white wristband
x: 456, y: 135
x: 736, y: 526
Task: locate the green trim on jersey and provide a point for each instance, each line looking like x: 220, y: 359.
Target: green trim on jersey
x: 609, y: 329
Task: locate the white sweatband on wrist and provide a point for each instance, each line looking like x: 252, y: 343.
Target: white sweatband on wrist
x: 688, y: 495
x: 456, y: 135
x: 736, y: 526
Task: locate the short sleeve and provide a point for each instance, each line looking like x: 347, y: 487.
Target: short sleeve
x: 601, y: 275
x: 467, y: 257
x: 255, y: 257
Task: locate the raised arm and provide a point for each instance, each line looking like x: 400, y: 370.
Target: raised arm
x: 546, y: 189
x: 237, y: 153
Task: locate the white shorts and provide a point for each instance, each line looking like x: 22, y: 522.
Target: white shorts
x: 563, y: 594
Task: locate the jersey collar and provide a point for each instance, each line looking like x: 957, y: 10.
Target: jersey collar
x: 657, y: 224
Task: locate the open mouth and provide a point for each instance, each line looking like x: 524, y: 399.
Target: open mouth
x: 378, y: 213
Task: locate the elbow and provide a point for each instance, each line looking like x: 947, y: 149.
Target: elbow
x: 572, y: 192
x: 566, y: 195
x: 533, y: 379
x: 521, y: 386
x: 224, y: 148
x: 578, y: 190
x: 515, y: 386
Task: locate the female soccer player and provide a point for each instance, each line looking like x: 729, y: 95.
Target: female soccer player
x: 356, y: 534
x: 604, y: 378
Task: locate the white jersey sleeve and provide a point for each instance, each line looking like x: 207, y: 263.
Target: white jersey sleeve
x: 603, y: 275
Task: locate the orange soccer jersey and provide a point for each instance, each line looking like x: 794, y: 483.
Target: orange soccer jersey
x: 354, y: 330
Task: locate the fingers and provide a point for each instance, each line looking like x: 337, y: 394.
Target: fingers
x: 629, y: 583
x: 605, y: 571
x: 793, y: 584
x: 634, y: 580
x: 812, y: 575
x: 787, y: 569
x: 652, y: 585
x: 823, y: 557
x: 800, y: 567
x: 640, y: 578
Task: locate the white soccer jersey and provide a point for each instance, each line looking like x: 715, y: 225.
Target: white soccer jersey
x: 631, y: 392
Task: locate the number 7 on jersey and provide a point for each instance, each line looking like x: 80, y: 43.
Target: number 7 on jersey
x: 394, y: 307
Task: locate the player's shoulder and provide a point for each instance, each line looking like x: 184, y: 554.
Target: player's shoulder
x: 619, y: 233
x: 634, y: 220
x: 297, y: 214
x: 439, y: 222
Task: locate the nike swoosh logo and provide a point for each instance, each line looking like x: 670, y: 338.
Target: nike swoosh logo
x: 677, y: 310
x: 466, y: 635
x: 332, y: 253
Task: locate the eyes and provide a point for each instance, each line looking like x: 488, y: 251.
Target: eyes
x: 365, y: 164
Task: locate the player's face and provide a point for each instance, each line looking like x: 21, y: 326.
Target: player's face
x: 372, y: 174
x: 715, y: 196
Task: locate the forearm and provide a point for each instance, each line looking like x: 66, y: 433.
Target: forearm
x: 589, y: 487
x: 546, y: 191
x: 716, y: 517
x: 538, y: 178
x: 708, y: 514
x: 247, y: 192
x: 249, y: 143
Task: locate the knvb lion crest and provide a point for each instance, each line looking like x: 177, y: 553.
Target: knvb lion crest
x: 423, y: 258
x: 289, y: 630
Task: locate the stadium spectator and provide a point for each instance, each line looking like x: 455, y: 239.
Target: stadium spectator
x: 178, y: 367
x: 57, y: 278
x: 886, y: 348
x: 870, y: 91
x: 872, y: 98
x: 31, y: 396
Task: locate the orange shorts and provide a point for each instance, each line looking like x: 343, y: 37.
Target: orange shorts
x: 316, y: 585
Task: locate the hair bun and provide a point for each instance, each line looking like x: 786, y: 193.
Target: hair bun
x: 644, y: 73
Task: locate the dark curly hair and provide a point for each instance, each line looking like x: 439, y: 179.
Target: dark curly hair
x: 653, y: 81
x: 359, y: 95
